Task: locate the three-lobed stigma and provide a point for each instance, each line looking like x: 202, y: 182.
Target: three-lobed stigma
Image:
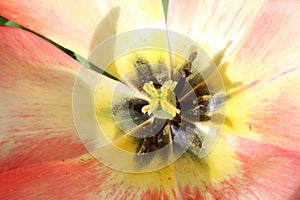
x: 163, y: 100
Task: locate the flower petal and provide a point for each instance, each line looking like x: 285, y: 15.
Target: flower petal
x: 85, y: 23
x: 84, y: 178
x: 212, y: 24
x: 239, y: 168
x: 270, y: 47
x: 245, y: 170
x: 36, y: 83
x: 267, y: 64
x: 269, y: 111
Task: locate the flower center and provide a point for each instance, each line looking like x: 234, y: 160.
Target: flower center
x: 171, y: 101
x: 163, y: 101
x: 167, y: 101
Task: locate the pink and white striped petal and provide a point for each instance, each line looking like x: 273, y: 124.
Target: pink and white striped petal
x: 83, y: 178
x: 81, y: 25
x: 36, y: 84
x: 267, y: 63
x: 270, y: 47
x: 262, y: 172
x: 268, y: 111
x: 212, y: 24
x: 246, y: 170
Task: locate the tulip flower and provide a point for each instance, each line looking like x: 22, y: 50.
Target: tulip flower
x: 248, y: 93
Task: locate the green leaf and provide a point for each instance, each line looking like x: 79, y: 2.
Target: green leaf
x: 13, y: 24
x: 2, y: 21
x: 165, y: 6
x: 79, y: 58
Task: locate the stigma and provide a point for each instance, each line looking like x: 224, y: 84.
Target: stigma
x: 163, y: 104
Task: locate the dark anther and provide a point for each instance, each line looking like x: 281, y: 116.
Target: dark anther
x: 187, y: 67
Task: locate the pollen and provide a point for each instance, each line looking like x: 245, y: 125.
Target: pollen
x: 162, y: 100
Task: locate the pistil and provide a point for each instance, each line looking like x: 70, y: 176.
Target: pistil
x: 163, y: 100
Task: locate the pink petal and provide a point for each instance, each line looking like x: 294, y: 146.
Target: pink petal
x: 271, y: 46
x: 272, y: 110
x: 212, y: 24
x: 267, y: 63
x: 263, y: 172
x: 80, y: 25
x: 79, y: 178
x: 36, y: 83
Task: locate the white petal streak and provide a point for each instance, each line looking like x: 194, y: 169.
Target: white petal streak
x: 213, y: 24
